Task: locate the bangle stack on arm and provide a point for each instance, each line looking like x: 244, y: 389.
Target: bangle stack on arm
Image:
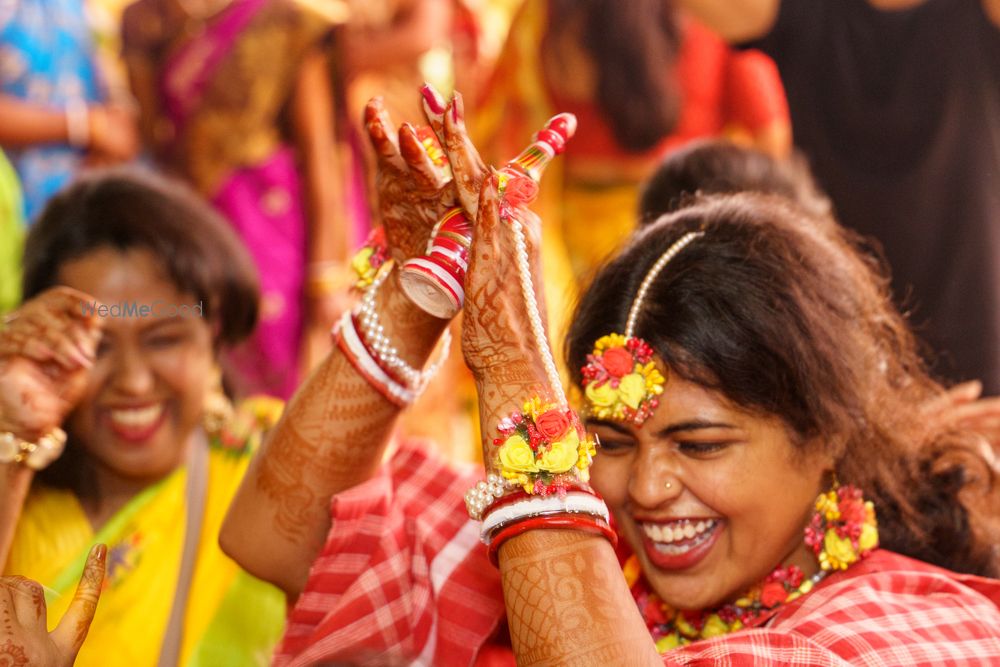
x: 331, y: 437
x: 539, y: 478
x: 361, y: 337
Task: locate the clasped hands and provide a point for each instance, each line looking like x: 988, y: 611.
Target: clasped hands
x: 415, y: 191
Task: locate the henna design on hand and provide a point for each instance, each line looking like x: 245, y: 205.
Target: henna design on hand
x: 46, y: 349
x: 12, y: 655
x: 413, y: 193
x: 496, y: 339
x: 88, y: 591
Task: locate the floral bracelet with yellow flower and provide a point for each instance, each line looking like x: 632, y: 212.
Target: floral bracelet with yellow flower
x: 620, y: 380
x: 370, y: 258
x: 544, y: 449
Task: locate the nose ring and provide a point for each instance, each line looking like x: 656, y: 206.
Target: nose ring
x: 668, y: 485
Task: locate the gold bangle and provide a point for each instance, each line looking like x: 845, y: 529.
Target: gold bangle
x: 34, y: 455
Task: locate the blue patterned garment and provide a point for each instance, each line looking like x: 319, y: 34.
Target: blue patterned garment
x: 46, y: 57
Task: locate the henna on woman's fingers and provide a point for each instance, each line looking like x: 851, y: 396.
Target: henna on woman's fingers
x: 383, y: 139
x: 434, y: 107
x: 29, y: 601
x: 428, y: 175
x: 466, y: 164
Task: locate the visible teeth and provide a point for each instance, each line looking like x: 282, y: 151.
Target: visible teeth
x: 137, y: 418
x: 678, y: 531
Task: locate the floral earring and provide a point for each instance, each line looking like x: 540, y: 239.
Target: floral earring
x: 218, y: 410
x: 843, y: 529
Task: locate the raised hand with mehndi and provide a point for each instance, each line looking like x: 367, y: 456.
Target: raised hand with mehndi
x: 338, y: 424
x: 47, y: 347
x: 413, y: 183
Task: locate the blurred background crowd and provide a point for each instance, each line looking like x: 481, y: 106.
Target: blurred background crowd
x: 215, y: 151
x: 256, y: 105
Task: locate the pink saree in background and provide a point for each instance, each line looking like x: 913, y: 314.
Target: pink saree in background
x: 262, y: 200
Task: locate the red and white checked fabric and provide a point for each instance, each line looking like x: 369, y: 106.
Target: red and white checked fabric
x: 888, y: 610
x: 403, y: 578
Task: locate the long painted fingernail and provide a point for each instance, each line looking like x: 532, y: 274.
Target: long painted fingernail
x: 456, y: 100
x: 434, y: 100
x: 99, y: 552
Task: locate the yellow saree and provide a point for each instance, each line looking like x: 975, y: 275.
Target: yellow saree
x: 231, y: 618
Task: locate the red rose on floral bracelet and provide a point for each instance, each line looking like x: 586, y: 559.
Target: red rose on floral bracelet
x: 618, y: 362
x: 552, y: 424
x: 518, y: 191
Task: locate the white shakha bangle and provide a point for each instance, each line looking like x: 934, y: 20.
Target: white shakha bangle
x: 571, y: 503
x: 35, y: 455
x: 395, y: 392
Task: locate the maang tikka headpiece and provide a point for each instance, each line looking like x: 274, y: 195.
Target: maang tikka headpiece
x: 620, y: 379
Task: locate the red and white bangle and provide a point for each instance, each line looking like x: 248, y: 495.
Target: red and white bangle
x: 383, y: 351
x: 361, y: 337
x: 348, y: 340
x: 572, y: 503
x: 584, y: 523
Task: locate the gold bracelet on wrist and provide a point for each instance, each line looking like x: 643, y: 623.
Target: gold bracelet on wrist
x: 34, y: 455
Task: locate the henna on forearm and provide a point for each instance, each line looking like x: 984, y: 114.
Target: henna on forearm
x: 568, y: 604
x: 332, y: 437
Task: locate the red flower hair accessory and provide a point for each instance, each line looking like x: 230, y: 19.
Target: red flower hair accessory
x: 620, y: 379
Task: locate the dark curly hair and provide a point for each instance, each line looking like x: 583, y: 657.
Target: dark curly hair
x: 125, y: 209
x: 718, y: 166
x: 128, y: 208
x: 784, y: 315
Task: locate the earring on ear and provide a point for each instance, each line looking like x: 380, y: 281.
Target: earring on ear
x: 218, y: 409
x: 843, y: 528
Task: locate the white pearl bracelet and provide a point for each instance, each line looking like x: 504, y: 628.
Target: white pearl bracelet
x: 571, y: 503
x: 374, y: 335
x: 35, y: 455
x: 367, y: 365
x: 483, y: 494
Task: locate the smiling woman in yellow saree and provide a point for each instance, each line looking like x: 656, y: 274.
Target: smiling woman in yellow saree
x: 114, y: 355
